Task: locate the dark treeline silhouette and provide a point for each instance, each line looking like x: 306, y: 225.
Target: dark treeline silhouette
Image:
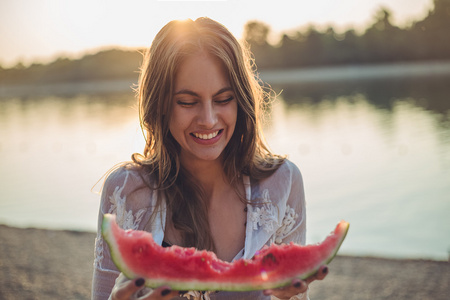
x: 105, y: 65
x: 381, y: 42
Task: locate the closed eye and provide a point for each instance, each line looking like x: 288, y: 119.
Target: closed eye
x: 186, y: 104
x: 224, y: 101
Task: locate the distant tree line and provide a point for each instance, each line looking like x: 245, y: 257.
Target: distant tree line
x: 382, y: 42
x: 104, y: 65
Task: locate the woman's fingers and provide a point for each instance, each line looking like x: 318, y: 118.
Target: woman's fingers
x: 297, y: 286
x: 320, y: 274
x: 323, y: 272
x: 163, y: 292
x: 127, y: 289
x: 130, y: 288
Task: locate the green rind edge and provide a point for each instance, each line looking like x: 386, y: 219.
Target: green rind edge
x: 330, y: 258
x: 113, y: 247
x: 202, y: 285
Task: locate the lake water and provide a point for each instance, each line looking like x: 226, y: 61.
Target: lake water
x: 375, y: 152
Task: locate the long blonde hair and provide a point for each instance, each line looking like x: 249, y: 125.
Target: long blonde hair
x: 246, y: 153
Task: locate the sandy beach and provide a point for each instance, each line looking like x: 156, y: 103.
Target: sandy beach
x: 48, y: 264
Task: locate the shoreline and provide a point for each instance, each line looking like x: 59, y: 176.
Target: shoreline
x: 306, y: 75
x: 57, y: 264
x: 346, y: 73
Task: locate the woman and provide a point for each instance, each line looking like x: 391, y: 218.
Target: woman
x: 206, y: 178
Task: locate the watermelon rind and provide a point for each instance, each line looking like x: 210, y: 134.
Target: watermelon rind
x: 263, y: 281
x: 108, y: 226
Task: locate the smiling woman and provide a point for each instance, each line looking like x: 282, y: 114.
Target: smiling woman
x: 204, y: 113
x: 205, y: 172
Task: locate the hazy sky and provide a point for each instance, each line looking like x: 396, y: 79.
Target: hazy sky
x: 40, y: 30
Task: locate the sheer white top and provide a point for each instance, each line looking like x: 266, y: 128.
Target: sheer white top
x: 276, y: 215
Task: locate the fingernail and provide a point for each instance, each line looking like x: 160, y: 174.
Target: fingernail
x: 139, y: 282
x: 165, y: 292
x: 325, y: 270
x: 298, y: 284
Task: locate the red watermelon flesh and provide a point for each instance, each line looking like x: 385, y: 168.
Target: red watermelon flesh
x: 137, y: 255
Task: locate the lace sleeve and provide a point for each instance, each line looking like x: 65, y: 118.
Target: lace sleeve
x: 123, y: 195
x: 293, y: 228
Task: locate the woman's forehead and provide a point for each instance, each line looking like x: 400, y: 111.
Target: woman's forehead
x: 201, y: 72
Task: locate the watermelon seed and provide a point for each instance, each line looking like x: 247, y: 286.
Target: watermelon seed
x: 269, y: 256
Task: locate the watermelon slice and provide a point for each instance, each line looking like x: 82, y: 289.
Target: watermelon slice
x: 137, y: 255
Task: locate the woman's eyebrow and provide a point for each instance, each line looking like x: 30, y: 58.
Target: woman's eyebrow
x: 192, y: 93
x: 223, y: 90
x: 186, y: 92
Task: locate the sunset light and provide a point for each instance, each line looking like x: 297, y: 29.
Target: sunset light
x: 242, y: 124
x: 42, y: 30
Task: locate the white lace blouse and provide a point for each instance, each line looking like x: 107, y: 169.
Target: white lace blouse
x: 276, y: 215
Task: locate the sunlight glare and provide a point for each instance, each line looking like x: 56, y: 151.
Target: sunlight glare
x: 44, y: 28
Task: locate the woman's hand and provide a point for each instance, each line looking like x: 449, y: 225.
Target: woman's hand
x: 129, y: 289
x: 297, y: 286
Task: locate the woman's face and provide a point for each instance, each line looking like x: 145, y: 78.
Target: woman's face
x: 204, y: 108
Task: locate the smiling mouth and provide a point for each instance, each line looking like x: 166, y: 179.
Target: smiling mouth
x: 206, y: 136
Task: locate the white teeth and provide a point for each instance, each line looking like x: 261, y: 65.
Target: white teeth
x: 206, y: 136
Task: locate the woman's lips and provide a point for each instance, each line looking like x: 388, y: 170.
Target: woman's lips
x: 207, y: 138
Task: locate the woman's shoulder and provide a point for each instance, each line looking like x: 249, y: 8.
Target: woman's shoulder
x: 127, y: 176
x: 287, y: 170
x: 283, y: 180
x: 127, y: 195
x: 286, y: 175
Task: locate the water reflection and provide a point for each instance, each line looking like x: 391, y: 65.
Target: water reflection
x: 54, y: 149
x: 374, y: 153
x: 431, y: 93
x: 376, y: 156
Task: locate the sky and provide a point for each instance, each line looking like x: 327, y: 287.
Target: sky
x: 42, y: 30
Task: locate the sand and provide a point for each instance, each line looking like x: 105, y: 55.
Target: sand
x: 48, y: 264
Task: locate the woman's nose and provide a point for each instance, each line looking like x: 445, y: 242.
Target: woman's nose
x: 208, y: 116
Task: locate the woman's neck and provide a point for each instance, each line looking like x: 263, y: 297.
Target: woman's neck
x: 209, y: 174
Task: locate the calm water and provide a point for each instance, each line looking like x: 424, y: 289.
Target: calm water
x: 375, y: 153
